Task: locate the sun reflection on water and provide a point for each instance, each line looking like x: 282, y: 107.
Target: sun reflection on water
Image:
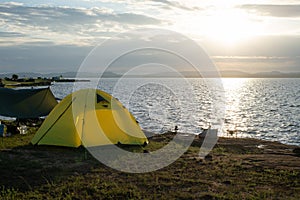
x: 234, y: 123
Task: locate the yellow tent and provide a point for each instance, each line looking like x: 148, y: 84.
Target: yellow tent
x: 89, y: 117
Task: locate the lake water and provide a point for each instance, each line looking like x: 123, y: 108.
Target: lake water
x: 260, y: 108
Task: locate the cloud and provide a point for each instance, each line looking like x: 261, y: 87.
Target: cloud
x: 42, y: 57
x: 11, y: 34
x: 46, y: 15
x: 256, y: 59
x: 259, y: 46
x: 262, y: 53
x: 135, y: 19
x: 148, y: 4
x: 256, y: 63
x: 174, y: 4
x: 142, y: 47
x: 64, y: 24
x: 56, y: 37
x: 273, y: 10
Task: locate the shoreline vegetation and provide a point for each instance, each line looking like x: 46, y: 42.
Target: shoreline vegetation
x: 236, y: 168
x: 15, y: 81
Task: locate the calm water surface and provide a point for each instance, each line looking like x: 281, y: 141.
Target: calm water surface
x: 259, y: 108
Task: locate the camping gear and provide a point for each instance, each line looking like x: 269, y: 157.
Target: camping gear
x: 22, y: 129
x: 89, y: 117
x: 3, y: 130
x: 2, y: 134
x: 26, y: 103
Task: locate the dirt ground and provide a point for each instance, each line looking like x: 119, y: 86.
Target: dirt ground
x: 235, y: 169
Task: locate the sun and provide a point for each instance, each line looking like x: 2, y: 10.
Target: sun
x: 227, y: 26
x: 230, y: 27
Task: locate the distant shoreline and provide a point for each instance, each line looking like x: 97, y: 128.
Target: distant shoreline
x: 28, y: 82
x: 185, y: 74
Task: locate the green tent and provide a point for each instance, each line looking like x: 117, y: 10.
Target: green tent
x: 26, y: 103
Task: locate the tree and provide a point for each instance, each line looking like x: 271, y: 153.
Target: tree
x: 14, y: 77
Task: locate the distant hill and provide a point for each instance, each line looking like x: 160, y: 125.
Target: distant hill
x: 188, y: 74
x: 277, y: 74
x: 64, y: 74
x: 224, y: 74
x: 272, y: 74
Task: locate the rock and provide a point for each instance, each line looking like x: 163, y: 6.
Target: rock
x: 146, y: 151
x: 208, y: 157
x: 297, y: 151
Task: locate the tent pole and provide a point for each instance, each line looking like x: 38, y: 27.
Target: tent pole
x: 54, y: 122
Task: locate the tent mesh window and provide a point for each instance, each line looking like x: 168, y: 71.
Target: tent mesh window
x: 101, y: 100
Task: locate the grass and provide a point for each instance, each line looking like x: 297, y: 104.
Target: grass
x: 238, y: 169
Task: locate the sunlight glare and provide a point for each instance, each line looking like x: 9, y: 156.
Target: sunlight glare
x: 227, y: 26
x: 234, y: 94
x: 230, y: 27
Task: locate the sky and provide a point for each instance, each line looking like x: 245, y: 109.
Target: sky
x: 238, y: 35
